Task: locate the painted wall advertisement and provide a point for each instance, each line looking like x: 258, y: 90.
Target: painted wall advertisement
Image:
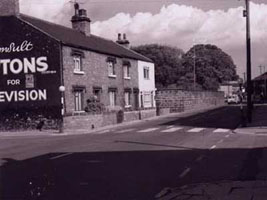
x: 29, y: 72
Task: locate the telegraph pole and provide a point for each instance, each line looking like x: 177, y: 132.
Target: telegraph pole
x: 249, y: 84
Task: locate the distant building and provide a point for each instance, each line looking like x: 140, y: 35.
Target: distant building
x: 229, y: 88
x: 37, y: 57
x: 260, y: 85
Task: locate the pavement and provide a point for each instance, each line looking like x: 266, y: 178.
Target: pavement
x: 258, y: 126
x: 101, y: 130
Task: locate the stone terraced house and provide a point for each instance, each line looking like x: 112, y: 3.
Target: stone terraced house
x: 46, y: 67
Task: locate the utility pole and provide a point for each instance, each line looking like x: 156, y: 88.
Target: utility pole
x: 260, y: 69
x: 249, y: 83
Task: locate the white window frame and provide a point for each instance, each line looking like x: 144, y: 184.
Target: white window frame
x: 146, y: 73
x: 127, y: 99
x: 147, y: 99
x: 112, y: 98
x: 126, y: 71
x: 78, y: 100
x: 78, y: 64
x: 111, y: 69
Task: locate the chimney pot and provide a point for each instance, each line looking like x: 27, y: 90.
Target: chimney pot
x: 119, y: 37
x: 82, y: 13
x: 9, y: 7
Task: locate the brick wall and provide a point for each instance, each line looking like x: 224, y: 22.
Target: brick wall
x: 173, y: 100
x: 89, y: 122
x: 96, y: 75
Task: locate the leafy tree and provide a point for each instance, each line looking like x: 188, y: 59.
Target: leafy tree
x: 212, y: 67
x: 168, y: 62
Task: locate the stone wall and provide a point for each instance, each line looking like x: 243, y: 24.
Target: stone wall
x: 89, y: 122
x: 173, y: 100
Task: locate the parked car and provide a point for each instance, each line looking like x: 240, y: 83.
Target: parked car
x: 233, y: 99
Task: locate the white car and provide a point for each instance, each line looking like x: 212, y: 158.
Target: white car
x: 233, y: 99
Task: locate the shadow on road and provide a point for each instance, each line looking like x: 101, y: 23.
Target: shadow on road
x: 135, y: 175
x: 226, y: 117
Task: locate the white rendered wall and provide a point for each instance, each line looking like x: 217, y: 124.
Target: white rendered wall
x: 146, y: 85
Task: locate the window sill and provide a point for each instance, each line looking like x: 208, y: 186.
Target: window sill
x: 80, y: 112
x: 112, y: 76
x: 79, y: 72
x: 127, y: 78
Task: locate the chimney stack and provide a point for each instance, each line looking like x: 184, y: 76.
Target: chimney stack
x: 80, y: 21
x: 9, y: 7
x: 124, y: 42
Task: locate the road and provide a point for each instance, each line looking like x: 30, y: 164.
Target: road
x: 133, y: 162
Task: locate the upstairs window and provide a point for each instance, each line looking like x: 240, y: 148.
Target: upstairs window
x: 77, y: 60
x: 146, y: 73
x: 111, y: 69
x: 126, y: 71
x: 77, y: 64
x: 111, y: 61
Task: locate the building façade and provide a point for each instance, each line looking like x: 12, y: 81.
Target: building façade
x: 37, y: 58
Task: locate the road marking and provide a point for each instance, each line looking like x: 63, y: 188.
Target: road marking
x: 227, y: 136
x: 195, y: 130
x: 185, y: 172
x: 221, y: 130
x: 171, y: 130
x: 220, y: 141
x: 60, y: 156
x: 126, y: 130
x: 148, y: 130
x: 170, y: 126
x: 105, y: 131
x: 199, y: 158
x: 213, y: 147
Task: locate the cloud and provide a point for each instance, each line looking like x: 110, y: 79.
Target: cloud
x: 182, y: 26
x: 176, y: 25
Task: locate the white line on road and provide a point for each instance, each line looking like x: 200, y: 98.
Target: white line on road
x: 171, y: 130
x: 213, y: 147
x: 195, y: 130
x: 227, y: 136
x: 170, y: 126
x: 220, y: 141
x: 199, y: 158
x: 105, y: 131
x: 126, y: 130
x: 185, y: 172
x: 148, y: 130
x: 221, y: 130
x: 60, y: 156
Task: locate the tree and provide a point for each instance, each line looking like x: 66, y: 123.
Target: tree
x: 168, y: 62
x: 212, y: 66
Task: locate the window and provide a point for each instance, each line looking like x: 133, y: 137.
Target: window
x: 77, y: 64
x: 111, y: 69
x: 78, y: 100
x: 97, y: 92
x: 127, y: 97
x: 126, y: 71
x: 112, y: 98
x: 146, y: 73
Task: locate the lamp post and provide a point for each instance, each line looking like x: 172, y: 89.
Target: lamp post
x: 246, y: 14
x: 61, y: 90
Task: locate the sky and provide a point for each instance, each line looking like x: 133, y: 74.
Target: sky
x: 178, y: 23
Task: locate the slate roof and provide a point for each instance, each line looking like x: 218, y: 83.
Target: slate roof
x: 71, y: 37
x: 261, y: 77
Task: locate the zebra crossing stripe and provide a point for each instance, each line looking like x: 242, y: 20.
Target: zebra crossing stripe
x: 221, y: 130
x: 126, y: 130
x: 148, y: 130
x: 171, y: 130
x: 195, y: 130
